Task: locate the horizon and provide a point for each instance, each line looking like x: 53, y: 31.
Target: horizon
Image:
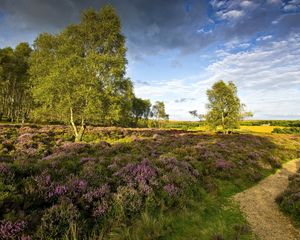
x: 178, y: 49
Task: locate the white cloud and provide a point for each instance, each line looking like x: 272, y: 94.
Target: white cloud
x: 268, y: 80
x: 246, y: 4
x: 236, y: 43
x: 274, y: 1
x: 263, y: 38
x: 292, y: 6
x: 231, y: 14
x: 232, y: 10
x: 205, y: 31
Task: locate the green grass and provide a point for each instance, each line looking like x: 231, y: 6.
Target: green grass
x: 208, y: 219
x: 212, y: 217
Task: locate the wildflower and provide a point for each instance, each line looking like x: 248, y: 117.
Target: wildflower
x: 97, y: 193
x: 171, y: 189
x: 141, y: 175
x: 9, y: 230
x: 222, y: 164
x: 101, y: 209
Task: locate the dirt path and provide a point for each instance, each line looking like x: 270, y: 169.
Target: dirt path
x: 262, y: 212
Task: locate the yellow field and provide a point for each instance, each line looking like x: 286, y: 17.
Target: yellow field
x: 259, y: 129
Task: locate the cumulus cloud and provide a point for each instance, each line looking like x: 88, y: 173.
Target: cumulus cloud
x: 268, y: 80
x: 247, y: 43
x: 152, y: 27
x: 292, y: 6
x: 231, y: 14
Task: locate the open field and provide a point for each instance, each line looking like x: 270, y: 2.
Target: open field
x: 259, y: 129
x: 255, y: 126
x: 131, y: 183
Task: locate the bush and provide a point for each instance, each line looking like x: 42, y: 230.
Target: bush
x: 290, y: 130
x: 57, y: 220
x: 289, y: 200
x: 110, y: 185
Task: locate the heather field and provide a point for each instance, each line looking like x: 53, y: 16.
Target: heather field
x: 122, y: 183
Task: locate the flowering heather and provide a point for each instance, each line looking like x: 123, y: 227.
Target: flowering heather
x: 254, y: 155
x: 97, y: 194
x: 10, y: 230
x: 72, y: 147
x: 4, y: 169
x: 222, y: 164
x: 141, y: 175
x: 221, y: 145
x: 87, y: 159
x: 77, y: 186
x: 113, y: 166
x: 43, y: 180
x: 67, y: 149
x: 101, y: 209
x: 179, y: 167
x: 57, y: 191
x: 26, y: 144
x: 24, y: 238
x: 81, y: 183
x: 171, y: 189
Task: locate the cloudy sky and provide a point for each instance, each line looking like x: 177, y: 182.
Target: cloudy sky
x: 178, y: 48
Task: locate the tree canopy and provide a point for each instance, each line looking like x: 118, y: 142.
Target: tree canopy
x: 224, y: 108
x: 141, y: 109
x: 15, y: 96
x: 78, y: 75
x: 158, y: 111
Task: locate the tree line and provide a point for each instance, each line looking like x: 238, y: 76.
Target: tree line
x: 76, y: 76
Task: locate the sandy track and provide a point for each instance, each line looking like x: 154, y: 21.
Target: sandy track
x: 262, y: 212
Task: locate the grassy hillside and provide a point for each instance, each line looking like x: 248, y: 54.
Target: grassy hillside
x: 131, y: 183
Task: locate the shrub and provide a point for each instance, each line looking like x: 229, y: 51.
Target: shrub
x: 289, y: 200
x: 11, y: 230
x: 56, y: 220
x: 128, y: 201
x: 288, y: 130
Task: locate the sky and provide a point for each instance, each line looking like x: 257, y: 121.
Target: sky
x: 178, y: 48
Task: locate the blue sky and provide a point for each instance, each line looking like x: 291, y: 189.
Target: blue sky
x: 178, y: 48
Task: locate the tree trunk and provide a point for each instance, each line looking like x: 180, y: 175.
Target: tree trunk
x: 78, y: 134
x: 223, y: 123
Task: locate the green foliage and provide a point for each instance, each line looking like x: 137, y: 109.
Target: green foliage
x: 158, y: 111
x: 289, y: 200
x: 141, y: 109
x: 224, y: 107
x: 57, y: 220
x: 288, y: 130
x: 15, y: 96
x: 78, y: 74
x: 173, y: 186
x: 282, y: 123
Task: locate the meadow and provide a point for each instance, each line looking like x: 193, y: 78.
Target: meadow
x: 126, y: 183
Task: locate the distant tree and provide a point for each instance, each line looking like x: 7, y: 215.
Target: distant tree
x: 195, y: 114
x: 78, y: 75
x: 224, y: 108
x: 15, y: 92
x: 244, y: 113
x: 158, y: 111
x: 141, y: 109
